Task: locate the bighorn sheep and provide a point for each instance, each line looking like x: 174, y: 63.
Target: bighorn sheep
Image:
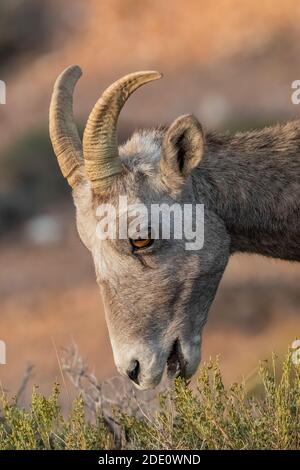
x: 157, y: 294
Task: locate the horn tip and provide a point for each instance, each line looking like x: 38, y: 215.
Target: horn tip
x: 150, y: 74
x: 68, y: 77
x: 74, y: 70
x: 156, y: 75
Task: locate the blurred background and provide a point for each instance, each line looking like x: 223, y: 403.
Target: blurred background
x: 231, y: 63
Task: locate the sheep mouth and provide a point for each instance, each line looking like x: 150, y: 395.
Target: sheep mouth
x: 176, y: 363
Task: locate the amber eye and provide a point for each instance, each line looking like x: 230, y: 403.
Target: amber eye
x: 141, y: 243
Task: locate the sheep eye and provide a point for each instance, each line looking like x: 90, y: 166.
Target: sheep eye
x: 141, y: 243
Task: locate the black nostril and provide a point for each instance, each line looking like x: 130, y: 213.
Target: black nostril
x: 134, y: 371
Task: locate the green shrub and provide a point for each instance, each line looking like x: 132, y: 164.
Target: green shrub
x: 210, y: 417
x: 43, y: 426
x: 215, y: 418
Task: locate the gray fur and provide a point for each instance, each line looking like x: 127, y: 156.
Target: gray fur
x: 250, y: 186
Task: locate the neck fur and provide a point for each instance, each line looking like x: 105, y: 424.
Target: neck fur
x: 252, y: 181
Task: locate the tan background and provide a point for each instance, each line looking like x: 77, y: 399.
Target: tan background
x: 229, y: 62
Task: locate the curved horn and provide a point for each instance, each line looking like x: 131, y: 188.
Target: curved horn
x: 100, y: 144
x: 63, y: 131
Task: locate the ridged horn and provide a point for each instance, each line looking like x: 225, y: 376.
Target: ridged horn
x: 100, y: 145
x: 63, y: 131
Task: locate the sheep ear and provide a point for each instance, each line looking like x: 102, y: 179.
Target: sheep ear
x: 182, y: 150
